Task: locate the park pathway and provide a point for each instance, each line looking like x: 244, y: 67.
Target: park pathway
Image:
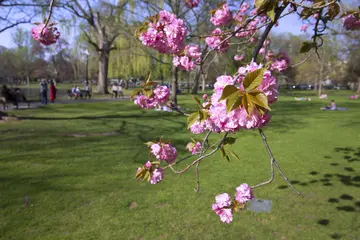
x: 65, y: 101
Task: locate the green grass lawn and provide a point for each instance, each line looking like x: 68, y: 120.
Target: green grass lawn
x: 76, y: 165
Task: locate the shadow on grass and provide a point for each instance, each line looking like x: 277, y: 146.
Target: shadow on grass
x: 345, y: 202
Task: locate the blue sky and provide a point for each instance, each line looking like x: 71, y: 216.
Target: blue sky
x: 289, y: 23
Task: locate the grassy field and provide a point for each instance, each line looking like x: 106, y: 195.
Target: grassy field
x: 73, y: 166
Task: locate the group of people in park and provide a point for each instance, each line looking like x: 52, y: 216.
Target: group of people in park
x: 44, y: 91
x: 76, y: 92
x: 116, y: 90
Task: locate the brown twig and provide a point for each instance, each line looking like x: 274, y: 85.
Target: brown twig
x: 272, y: 162
x: 49, y: 16
x: 307, y: 57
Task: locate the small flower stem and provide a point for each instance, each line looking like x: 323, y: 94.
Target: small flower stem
x: 272, y: 162
x: 49, y: 16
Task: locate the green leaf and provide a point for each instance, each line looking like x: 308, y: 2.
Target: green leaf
x: 140, y: 30
x: 305, y: 13
x: 150, y: 83
x: 134, y: 93
x: 259, y: 99
x: 197, y: 101
x: 149, y: 144
x: 223, y: 153
x: 248, y: 105
x: 190, y: 145
x: 319, y: 3
x: 203, y: 115
x: 259, y: 3
x: 333, y: 10
x: 229, y: 140
x: 253, y: 79
x: 192, y: 119
x: 307, y: 46
x: 233, y: 103
x: 147, y: 92
x: 271, y: 10
x: 234, y: 154
x: 147, y: 176
x: 229, y: 91
x: 148, y: 77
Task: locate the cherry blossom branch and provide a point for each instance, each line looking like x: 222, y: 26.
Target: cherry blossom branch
x: 175, y: 107
x: 49, y: 16
x: 303, y: 61
x: 272, y: 162
x: 310, y: 7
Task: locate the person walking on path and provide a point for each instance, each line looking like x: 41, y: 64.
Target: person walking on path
x: 52, y: 91
x: 43, y: 92
x: 87, y: 90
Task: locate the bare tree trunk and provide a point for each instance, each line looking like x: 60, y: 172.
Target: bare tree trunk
x: 103, y: 72
x: 358, y: 89
x: 195, y: 88
x: 174, y: 82
x: 203, y: 82
x: 320, y: 78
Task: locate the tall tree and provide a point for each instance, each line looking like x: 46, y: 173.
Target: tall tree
x: 104, y: 22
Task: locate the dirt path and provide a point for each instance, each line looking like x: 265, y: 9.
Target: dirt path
x: 65, y: 101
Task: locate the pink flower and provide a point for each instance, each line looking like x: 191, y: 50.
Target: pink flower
x: 157, y: 176
x: 192, y: 3
x: 148, y: 165
x: 222, y: 207
x: 144, y: 102
x: 187, y: 62
x: 243, y: 193
x: 204, y: 97
x: 304, y: 28
x: 197, y: 127
x: 226, y: 215
x: 350, y: 22
x: 161, y: 94
x: 193, y: 51
x: 216, y: 39
x: 241, y: 12
x: 239, y: 57
x: 166, y: 35
x: 222, y: 16
x: 249, y: 30
x: 164, y: 151
x: 46, y: 36
x: 223, y: 200
x: 194, y: 148
x: 262, y: 51
x: 316, y: 15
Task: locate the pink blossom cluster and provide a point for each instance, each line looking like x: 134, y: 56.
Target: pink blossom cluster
x: 159, y: 97
x: 47, y: 36
x: 350, y: 22
x: 164, y: 151
x: 166, y: 35
x: 239, y: 57
x: 233, y: 121
x: 304, y: 28
x: 243, y: 193
x: 241, y: 12
x: 222, y: 16
x: 194, y: 148
x: 224, y: 207
x: 216, y: 39
x: 157, y: 175
x: 249, y: 30
x: 188, y: 60
x: 281, y: 63
x: 192, y: 3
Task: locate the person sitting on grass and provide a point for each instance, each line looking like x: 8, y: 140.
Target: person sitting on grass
x: 331, y: 106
